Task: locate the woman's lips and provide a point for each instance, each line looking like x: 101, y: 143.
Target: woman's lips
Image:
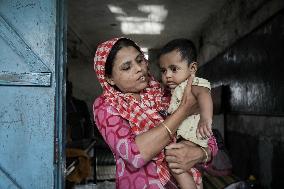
x: 142, y: 78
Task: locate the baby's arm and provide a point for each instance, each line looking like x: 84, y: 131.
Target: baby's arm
x: 185, y: 180
x: 203, y: 96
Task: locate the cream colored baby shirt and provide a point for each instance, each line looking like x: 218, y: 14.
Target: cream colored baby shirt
x: 187, y: 129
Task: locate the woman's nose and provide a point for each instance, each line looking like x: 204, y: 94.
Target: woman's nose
x: 138, y: 67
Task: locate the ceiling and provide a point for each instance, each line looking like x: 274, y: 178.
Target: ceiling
x: 150, y: 23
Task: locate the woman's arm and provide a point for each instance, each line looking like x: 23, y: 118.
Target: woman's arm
x: 153, y: 141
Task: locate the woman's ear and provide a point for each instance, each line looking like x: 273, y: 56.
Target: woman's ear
x: 193, y: 67
x: 110, y: 80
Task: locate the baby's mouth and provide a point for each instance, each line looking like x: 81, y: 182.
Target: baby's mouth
x: 170, y: 83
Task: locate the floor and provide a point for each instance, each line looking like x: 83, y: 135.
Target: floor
x: 99, y: 185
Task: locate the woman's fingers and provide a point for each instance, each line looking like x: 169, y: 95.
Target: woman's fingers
x: 178, y: 171
x: 171, y: 152
x: 188, y: 99
x: 175, y: 150
x: 174, y: 166
x: 182, y: 155
x: 189, y: 81
x: 174, y: 146
x: 171, y: 159
x: 187, y: 89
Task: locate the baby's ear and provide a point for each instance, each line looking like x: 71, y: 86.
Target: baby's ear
x: 193, y: 67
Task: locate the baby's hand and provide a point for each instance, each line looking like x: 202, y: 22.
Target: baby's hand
x: 204, y: 128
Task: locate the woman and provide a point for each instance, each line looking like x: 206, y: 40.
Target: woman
x: 129, y: 115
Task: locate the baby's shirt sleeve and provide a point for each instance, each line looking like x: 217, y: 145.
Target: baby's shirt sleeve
x: 177, y: 93
x: 197, y: 81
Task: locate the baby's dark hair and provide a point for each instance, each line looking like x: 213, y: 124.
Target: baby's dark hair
x: 123, y: 42
x: 185, y: 47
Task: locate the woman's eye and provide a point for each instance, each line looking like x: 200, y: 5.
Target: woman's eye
x: 141, y: 60
x: 126, y: 68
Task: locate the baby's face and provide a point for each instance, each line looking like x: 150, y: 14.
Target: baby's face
x: 174, y: 70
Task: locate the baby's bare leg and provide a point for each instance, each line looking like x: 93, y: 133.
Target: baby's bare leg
x: 185, y: 181
x: 200, y: 186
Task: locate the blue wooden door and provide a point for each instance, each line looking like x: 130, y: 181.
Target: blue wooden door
x: 31, y: 83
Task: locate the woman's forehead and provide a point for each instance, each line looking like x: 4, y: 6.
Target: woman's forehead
x: 126, y: 54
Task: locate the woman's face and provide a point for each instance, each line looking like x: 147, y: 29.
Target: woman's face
x: 130, y: 71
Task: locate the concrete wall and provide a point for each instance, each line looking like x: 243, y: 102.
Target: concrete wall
x: 254, y: 126
x: 236, y: 19
x: 252, y: 72
x: 257, y: 147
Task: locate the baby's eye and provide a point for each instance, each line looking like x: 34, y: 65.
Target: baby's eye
x: 163, y: 70
x: 174, y: 69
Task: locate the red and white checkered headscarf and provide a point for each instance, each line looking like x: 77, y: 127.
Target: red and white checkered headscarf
x: 141, y: 119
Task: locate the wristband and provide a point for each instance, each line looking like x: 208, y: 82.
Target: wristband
x: 168, y: 129
x: 206, y: 154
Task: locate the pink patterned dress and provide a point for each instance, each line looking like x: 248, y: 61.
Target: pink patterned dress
x: 132, y: 172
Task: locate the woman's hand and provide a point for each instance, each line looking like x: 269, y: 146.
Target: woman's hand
x: 182, y: 156
x: 189, y: 102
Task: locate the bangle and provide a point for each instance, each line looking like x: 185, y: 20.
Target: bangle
x: 206, y: 154
x: 168, y: 129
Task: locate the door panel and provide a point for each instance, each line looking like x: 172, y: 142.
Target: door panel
x: 28, y: 94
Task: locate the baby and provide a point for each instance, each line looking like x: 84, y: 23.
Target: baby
x: 177, y: 61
